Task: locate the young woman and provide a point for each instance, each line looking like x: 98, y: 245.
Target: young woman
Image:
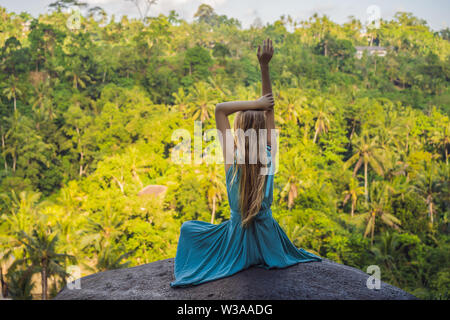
x: 251, y: 237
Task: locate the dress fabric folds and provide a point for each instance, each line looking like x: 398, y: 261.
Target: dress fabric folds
x: 208, y: 251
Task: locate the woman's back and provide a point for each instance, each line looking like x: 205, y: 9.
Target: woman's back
x: 232, y: 182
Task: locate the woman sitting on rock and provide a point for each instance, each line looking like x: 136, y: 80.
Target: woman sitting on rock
x: 251, y: 237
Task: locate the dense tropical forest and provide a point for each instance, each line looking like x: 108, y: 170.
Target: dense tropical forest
x: 88, y: 112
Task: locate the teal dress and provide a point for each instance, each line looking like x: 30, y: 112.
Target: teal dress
x: 208, y: 251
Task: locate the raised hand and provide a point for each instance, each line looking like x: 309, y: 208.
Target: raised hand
x: 266, y: 102
x: 265, y: 52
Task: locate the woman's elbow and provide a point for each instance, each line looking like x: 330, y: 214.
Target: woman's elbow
x: 219, y: 108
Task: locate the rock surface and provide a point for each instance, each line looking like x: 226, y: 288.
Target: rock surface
x: 315, y: 280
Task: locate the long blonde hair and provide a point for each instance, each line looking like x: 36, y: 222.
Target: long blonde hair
x: 251, y: 186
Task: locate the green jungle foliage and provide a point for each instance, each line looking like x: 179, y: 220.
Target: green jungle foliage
x: 87, y: 118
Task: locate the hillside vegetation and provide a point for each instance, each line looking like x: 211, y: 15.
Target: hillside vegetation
x: 87, y: 117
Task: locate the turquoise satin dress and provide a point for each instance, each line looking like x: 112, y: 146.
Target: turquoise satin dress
x: 208, y: 251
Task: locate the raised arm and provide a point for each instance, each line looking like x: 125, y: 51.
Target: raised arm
x: 224, y: 109
x: 265, y: 54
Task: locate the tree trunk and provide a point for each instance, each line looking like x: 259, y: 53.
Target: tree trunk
x: 365, y: 182
x: 44, y: 283
x: 15, y: 103
x: 305, y: 133
x: 136, y: 177
x: 4, y: 292
x: 373, y: 227
x: 81, y: 163
x: 315, y: 135
x: 407, y: 145
x: 353, y: 129
x: 213, y: 214
x: 50, y: 112
x: 430, y: 208
x: 446, y: 156
x: 3, y: 149
x: 120, y: 184
x: 353, y: 208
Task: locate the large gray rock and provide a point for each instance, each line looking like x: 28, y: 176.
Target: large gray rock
x: 314, y: 280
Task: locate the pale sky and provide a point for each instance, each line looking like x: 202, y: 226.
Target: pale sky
x: 435, y: 12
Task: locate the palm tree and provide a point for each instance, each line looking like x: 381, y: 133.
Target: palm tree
x: 70, y: 218
x: 428, y: 187
x: 441, y: 138
x: 356, y: 113
x: 77, y: 122
x: 306, y: 118
x: 292, y: 101
x: 296, y: 233
x: 245, y: 94
x: 182, y: 100
x: 296, y: 175
x: 20, y: 283
x: 21, y: 215
x: 12, y: 91
x: 220, y: 89
x: 41, y: 99
x: 216, y: 187
x: 3, y: 285
x: 41, y: 252
x: 444, y: 174
x: 323, y: 118
x: 203, y: 101
x: 389, y: 127
x: 376, y: 210
x: 367, y: 153
x: 385, y: 252
x: 396, y: 174
x: 354, y: 190
x: 20, y: 221
x: 23, y: 211
x: 110, y: 259
x: 12, y: 147
x: 290, y: 189
x: 105, y: 230
x: 406, y: 127
x: 4, y: 147
x: 102, y: 235
x: 137, y: 164
x: 78, y: 74
x: 396, y: 165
